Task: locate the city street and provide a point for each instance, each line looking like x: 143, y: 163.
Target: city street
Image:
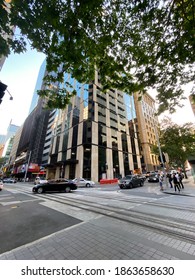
x: 103, y: 222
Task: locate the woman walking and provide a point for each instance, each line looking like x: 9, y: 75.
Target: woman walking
x: 175, y: 182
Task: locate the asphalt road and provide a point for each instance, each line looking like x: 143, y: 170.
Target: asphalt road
x: 23, y: 219
x: 26, y: 217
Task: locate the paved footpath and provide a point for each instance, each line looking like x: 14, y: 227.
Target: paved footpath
x: 189, y: 187
x: 102, y: 238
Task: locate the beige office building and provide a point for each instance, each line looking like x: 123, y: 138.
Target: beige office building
x: 147, y: 124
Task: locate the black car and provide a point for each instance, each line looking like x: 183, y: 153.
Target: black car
x: 154, y: 178
x: 130, y: 181
x: 55, y: 185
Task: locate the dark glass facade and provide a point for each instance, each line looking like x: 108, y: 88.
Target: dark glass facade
x: 98, y: 137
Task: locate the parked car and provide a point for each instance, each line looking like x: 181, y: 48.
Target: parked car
x: 9, y: 180
x: 40, y: 180
x: 1, y: 185
x: 55, y: 185
x: 153, y: 178
x: 142, y: 176
x: 130, y: 181
x: 81, y: 182
x: 149, y: 173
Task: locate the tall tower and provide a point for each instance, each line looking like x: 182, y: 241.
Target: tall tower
x: 147, y: 123
x: 38, y: 86
x: 95, y: 136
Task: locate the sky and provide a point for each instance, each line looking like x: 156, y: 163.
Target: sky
x: 20, y: 72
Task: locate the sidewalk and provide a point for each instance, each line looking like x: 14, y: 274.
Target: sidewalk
x: 189, y: 188
x: 105, y: 238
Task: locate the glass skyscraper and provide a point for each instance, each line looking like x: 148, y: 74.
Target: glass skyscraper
x: 95, y: 136
x: 38, y: 86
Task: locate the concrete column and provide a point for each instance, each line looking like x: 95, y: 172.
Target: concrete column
x: 80, y: 134
x: 119, y: 141
x: 50, y: 173
x: 94, y: 136
x: 108, y: 137
x: 130, y: 156
x: 54, y: 145
x: 59, y: 156
x: 121, y: 164
x: 79, y: 166
x: 57, y: 175
x: 66, y: 173
x: 94, y: 163
x: 69, y: 146
x: 109, y: 162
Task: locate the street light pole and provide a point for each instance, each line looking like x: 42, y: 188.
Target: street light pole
x: 161, y: 156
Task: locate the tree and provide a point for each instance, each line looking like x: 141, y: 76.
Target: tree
x: 135, y: 44
x: 2, y: 161
x: 177, y: 141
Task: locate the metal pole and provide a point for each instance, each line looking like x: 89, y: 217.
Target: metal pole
x: 27, y: 166
x: 160, y: 152
x: 158, y: 143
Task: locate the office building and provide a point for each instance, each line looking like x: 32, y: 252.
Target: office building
x: 147, y: 123
x: 38, y: 86
x: 95, y: 136
x: 31, y: 142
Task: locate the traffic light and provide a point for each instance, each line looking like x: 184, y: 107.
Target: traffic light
x: 2, y: 90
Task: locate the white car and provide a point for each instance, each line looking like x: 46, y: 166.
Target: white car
x: 9, y: 180
x: 81, y: 182
x: 40, y: 180
x: 1, y: 185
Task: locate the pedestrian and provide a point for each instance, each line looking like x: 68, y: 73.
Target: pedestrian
x: 161, y: 181
x: 175, y: 182
x: 180, y: 180
x: 169, y: 176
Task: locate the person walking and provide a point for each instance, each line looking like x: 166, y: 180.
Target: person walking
x: 169, y: 176
x: 180, y: 180
x: 175, y: 182
x: 161, y: 181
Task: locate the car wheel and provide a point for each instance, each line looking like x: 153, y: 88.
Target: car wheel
x: 67, y: 189
x: 40, y: 190
x: 130, y: 185
x: 141, y: 183
x: 87, y: 185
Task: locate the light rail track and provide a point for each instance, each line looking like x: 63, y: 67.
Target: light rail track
x: 181, y: 229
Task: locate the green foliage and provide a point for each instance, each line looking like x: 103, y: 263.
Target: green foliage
x: 177, y: 141
x: 150, y: 42
x: 2, y: 161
